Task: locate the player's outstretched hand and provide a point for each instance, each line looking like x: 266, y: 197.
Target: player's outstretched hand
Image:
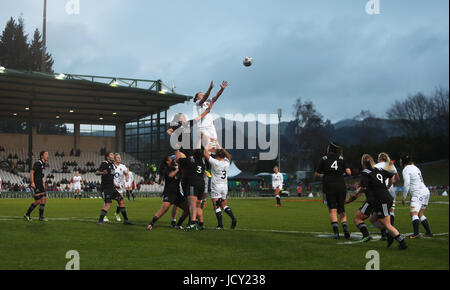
x: 224, y: 85
x: 211, y: 86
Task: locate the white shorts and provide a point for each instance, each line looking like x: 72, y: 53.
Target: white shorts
x: 219, y: 191
x: 279, y: 186
x: 209, y: 131
x: 419, y: 202
x: 77, y: 187
x: 127, y: 185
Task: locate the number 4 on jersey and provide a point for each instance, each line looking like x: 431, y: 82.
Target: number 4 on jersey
x: 334, y: 165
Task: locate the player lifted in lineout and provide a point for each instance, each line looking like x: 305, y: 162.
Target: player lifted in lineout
x: 207, y: 130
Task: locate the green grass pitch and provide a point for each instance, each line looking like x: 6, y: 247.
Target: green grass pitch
x: 266, y: 238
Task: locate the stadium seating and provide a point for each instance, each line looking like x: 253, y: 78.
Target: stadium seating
x: 55, y: 165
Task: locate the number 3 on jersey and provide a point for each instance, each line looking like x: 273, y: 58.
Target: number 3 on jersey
x: 334, y: 165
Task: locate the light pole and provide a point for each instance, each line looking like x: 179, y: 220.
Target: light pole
x: 279, y: 139
x: 44, y: 37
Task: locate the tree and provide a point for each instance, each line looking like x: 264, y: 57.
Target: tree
x: 413, y: 114
x: 36, y: 51
x: 17, y: 53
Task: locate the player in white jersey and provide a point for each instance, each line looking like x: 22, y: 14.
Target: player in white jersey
x: 129, y: 182
x: 120, y: 175
x: 77, y: 181
x: 277, y: 184
x: 385, y: 162
x: 220, y: 165
x: 420, y: 194
x: 206, y: 127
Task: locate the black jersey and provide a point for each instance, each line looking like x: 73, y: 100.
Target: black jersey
x: 171, y: 184
x: 193, y: 170
x: 332, y: 166
x: 107, y: 179
x: 38, y: 174
x: 375, y: 182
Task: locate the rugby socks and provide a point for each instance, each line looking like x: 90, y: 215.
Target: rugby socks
x: 227, y: 209
x: 363, y: 229
x: 102, y: 216
x: 399, y: 239
x: 181, y: 220
x: 118, y: 210
x: 425, y: 224
x: 124, y: 213
x: 41, y: 210
x: 200, y: 224
x: 345, y: 226
x: 154, y: 220
x: 30, y: 209
x: 278, y: 200
x: 219, y: 218
x: 132, y: 195
x: 128, y: 195
x: 335, y: 226
x: 174, y: 222
x: 416, y: 222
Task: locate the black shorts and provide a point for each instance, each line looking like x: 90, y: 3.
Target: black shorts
x: 366, y: 209
x: 197, y: 189
x: 335, y: 194
x: 176, y: 199
x: 39, y: 189
x: 381, y: 209
x: 109, y: 195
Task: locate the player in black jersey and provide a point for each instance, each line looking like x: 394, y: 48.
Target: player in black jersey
x: 193, y: 184
x: 170, y: 175
x: 109, y: 192
x: 37, y: 185
x: 373, y: 184
x: 332, y: 168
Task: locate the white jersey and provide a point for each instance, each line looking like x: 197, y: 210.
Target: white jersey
x: 219, y: 171
x: 393, y: 170
x: 207, y: 121
x: 277, y: 180
x: 130, y: 179
x: 413, y: 182
x: 77, y: 182
x: 119, y: 176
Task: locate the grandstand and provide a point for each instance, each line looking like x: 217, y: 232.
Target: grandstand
x: 131, y: 115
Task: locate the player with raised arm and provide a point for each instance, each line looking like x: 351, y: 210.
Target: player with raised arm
x: 332, y: 168
x: 77, y: 181
x: 220, y: 166
x: 38, y: 188
x: 277, y: 184
x: 182, y: 130
x: 373, y: 183
x: 170, y: 175
x: 109, y: 192
x: 208, y: 132
x: 420, y: 195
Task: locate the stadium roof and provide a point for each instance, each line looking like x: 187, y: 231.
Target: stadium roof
x: 81, y: 98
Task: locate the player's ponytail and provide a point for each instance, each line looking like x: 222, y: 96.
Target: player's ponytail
x: 385, y: 158
x: 367, y: 162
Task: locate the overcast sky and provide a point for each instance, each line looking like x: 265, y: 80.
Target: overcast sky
x: 329, y: 52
